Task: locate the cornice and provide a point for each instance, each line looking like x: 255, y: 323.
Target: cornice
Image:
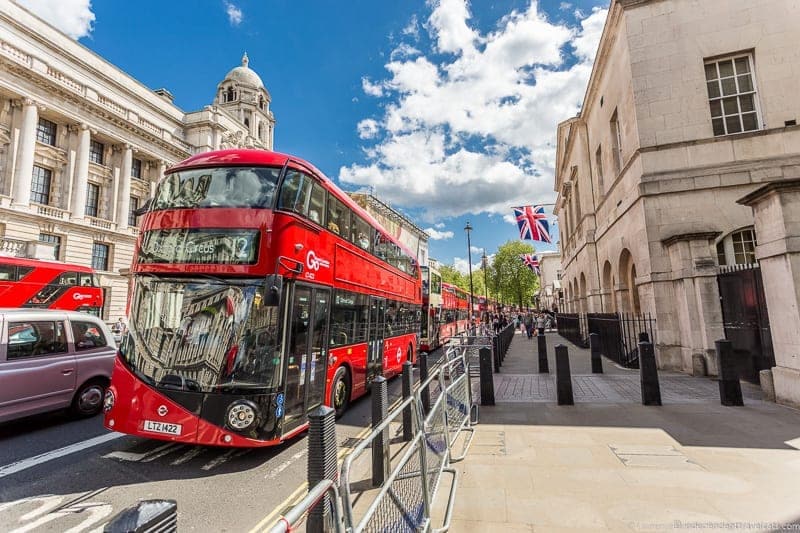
x: 788, y: 185
x: 697, y: 236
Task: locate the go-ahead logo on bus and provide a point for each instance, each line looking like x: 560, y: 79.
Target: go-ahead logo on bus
x: 80, y: 297
x: 315, y: 263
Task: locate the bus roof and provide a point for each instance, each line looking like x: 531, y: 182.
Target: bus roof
x: 23, y: 261
x: 250, y: 157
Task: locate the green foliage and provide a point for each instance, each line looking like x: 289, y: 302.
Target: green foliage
x: 512, y: 281
x: 454, y: 277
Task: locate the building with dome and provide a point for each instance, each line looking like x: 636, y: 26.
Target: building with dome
x: 83, y: 144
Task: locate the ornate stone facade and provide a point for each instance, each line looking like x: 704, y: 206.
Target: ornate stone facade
x: 82, y: 144
x: 690, y: 107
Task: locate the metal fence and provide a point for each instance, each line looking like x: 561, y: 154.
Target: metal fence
x: 619, y: 333
x: 403, y: 501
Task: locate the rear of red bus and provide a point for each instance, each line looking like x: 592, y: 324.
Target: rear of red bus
x: 37, y: 284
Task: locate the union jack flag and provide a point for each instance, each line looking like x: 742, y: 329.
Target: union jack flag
x: 532, y: 262
x: 532, y: 223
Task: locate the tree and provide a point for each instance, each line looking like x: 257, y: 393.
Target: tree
x: 513, y: 281
x: 454, y: 277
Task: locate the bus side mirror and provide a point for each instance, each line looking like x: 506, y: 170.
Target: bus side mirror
x: 274, y: 288
x: 144, y: 209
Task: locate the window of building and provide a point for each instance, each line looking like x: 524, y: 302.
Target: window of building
x: 55, y: 240
x: 721, y: 261
x: 100, y: 256
x: 96, y: 152
x: 40, y: 185
x: 744, y: 247
x: 732, y: 94
x: 131, y: 215
x: 616, y: 143
x: 92, y: 199
x: 598, y: 157
x: 136, y: 168
x: 46, y: 132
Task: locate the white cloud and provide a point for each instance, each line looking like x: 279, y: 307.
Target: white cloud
x: 440, y: 225
x: 412, y: 28
x: 438, y: 235
x: 462, y: 265
x: 367, y: 128
x: 475, y: 132
x: 235, y: 15
x: 73, y: 17
x: 565, y: 6
x: 371, y: 89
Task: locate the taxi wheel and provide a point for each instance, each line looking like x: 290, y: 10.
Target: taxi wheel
x: 340, y: 391
x: 88, y: 401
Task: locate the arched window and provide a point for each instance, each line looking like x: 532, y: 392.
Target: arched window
x: 738, y: 248
x: 229, y: 97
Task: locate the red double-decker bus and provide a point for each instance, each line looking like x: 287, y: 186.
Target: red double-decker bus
x: 40, y: 284
x: 259, y: 291
x: 431, y: 309
x: 455, y: 312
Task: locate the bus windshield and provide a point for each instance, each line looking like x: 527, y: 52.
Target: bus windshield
x: 203, y: 335
x: 218, y: 187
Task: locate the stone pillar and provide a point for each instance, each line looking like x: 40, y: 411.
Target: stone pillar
x: 80, y: 182
x: 23, y: 171
x: 692, y: 303
x: 124, y: 191
x: 776, y: 213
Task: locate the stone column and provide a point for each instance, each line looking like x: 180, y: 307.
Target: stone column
x: 692, y: 304
x: 776, y: 212
x: 80, y: 183
x: 124, y: 191
x: 23, y: 171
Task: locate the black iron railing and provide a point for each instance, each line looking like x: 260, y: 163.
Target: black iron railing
x: 618, y: 332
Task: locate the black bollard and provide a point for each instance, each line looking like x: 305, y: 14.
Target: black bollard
x: 597, y: 358
x: 496, y: 353
x: 543, y: 366
x: 322, y: 456
x: 730, y: 389
x: 563, y: 378
x: 648, y: 374
x: 487, y: 378
x: 425, y: 394
x: 408, y: 386
x: 380, y: 446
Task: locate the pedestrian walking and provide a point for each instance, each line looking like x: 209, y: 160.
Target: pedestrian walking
x: 540, y: 323
x: 529, y: 325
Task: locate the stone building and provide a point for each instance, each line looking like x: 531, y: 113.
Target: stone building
x: 550, y: 293
x: 83, y: 144
x: 690, y: 108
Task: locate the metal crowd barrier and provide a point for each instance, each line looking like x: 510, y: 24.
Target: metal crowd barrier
x: 403, y: 502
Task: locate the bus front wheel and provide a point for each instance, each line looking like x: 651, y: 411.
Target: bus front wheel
x: 340, y: 391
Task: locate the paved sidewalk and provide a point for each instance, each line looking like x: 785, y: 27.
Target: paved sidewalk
x: 609, y: 463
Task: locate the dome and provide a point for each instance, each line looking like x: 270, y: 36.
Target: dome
x: 244, y: 75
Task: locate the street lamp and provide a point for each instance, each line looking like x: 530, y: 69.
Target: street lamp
x: 485, y: 265
x: 468, y: 228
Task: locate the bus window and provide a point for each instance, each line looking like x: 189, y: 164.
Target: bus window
x: 88, y: 280
x: 316, y: 208
x: 69, y: 278
x: 361, y: 233
x: 295, y: 190
x: 335, y: 216
x: 8, y: 273
x: 222, y: 187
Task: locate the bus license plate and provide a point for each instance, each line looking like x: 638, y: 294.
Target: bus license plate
x: 161, y: 427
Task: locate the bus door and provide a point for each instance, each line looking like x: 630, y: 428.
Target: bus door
x: 377, y: 314
x: 307, y: 353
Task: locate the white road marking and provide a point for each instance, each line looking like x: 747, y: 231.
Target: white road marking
x: 48, y: 503
x: 164, y: 451
x: 42, y: 458
x: 188, y: 456
x: 230, y: 454
x: 283, y: 466
x: 134, y: 457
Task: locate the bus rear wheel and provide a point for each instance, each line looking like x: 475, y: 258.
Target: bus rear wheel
x: 340, y: 391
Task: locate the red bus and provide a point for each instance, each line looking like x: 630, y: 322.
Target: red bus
x: 455, y: 312
x: 431, y: 309
x: 259, y: 292
x: 49, y: 285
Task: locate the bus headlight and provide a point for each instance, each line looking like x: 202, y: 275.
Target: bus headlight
x: 108, y: 401
x: 242, y: 415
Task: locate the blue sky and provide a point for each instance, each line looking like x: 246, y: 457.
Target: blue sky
x: 446, y: 108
